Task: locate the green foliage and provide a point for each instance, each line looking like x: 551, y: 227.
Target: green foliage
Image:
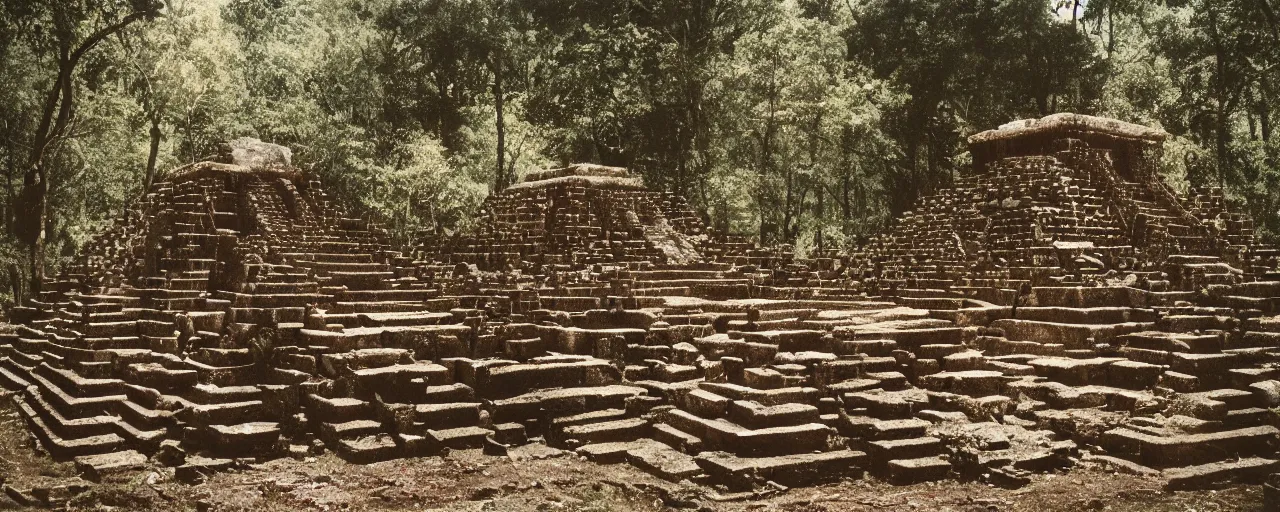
x: 806, y: 129
x: 1204, y: 70
x: 808, y: 122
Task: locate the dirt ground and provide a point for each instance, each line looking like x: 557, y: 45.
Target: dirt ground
x: 548, y: 480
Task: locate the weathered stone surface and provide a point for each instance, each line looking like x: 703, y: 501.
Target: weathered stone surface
x: 1251, y: 469
x: 94, y: 467
x: 1267, y: 393
x: 969, y: 382
x: 792, y: 470
x: 1191, y: 449
x: 923, y: 469
x: 256, y: 154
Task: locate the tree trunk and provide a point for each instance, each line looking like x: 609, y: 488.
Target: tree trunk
x: 37, y: 262
x: 820, y: 211
x: 1111, y: 29
x: 904, y: 196
x: 1264, y: 110
x: 15, y: 281
x: 766, y: 156
x: 814, y: 138
x: 1221, y: 136
x: 846, y: 212
x: 30, y: 223
x: 502, y: 179
x: 846, y: 140
x: 788, y: 205
x: 931, y: 168
x: 1221, y: 141
x: 152, y: 154
x: 51, y: 130
x: 12, y: 207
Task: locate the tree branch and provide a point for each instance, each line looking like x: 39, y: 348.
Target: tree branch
x: 97, y: 37
x: 1270, y: 14
x: 60, y: 94
x: 46, y: 118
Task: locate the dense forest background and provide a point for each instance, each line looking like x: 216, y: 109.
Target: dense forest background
x: 795, y: 121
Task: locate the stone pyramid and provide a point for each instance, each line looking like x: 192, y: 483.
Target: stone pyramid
x: 581, y: 214
x: 1066, y: 200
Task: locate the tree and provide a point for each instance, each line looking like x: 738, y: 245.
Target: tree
x: 186, y: 81
x: 438, y: 62
x: 67, y: 31
x: 810, y: 125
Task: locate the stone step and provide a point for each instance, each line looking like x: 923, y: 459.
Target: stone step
x: 61, y: 448
x: 333, y: 432
x: 676, y: 438
x: 512, y: 380
x: 1248, y: 417
x: 214, y: 394
x: 887, y: 405
x: 273, y: 300
x: 719, y: 434
x: 974, y: 383
x: 460, y: 438
x: 338, y: 409
x: 382, y: 307
x: 1246, y: 470
x: 274, y: 288
x: 443, y: 416
x: 1072, y: 336
x: 917, y: 470
x: 401, y: 295
x: 362, y: 280
x: 94, y: 467
x: 328, y: 257
x: 414, y: 318
x: 1173, y: 342
x: 766, y: 397
x: 562, y: 402
x: 1190, y: 449
x: 70, y: 380
x: 752, y: 415
x: 69, y: 427
x: 629, y: 429
x: 883, y: 451
x: 563, y: 422
x: 12, y: 376
x: 347, y: 363
x: 791, y: 470
x: 897, y: 429
x: 664, y: 462
x: 400, y: 379
x: 232, y: 413
x: 368, y: 449
x: 71, y: 405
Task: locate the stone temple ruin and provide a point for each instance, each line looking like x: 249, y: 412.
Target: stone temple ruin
x: 1059, y: 303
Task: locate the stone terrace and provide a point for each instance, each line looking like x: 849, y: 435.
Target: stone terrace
x: 1060, y: 303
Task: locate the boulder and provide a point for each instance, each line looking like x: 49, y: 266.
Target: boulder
x: 1267, y: 392
x: 255, y: 154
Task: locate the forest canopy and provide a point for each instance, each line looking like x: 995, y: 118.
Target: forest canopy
x: 809, y: 122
